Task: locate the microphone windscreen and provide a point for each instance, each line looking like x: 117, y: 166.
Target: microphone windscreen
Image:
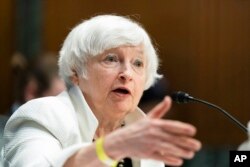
x: 180, y: 97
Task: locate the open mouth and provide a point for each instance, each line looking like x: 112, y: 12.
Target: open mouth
x: 121, y: 91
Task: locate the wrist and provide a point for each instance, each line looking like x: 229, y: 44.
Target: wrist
x: 102, y: 155
x: 114, y: 146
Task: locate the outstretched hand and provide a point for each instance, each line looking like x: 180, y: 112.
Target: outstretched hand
x: 155, y: 138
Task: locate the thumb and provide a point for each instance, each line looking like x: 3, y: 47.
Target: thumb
x: 160, y: 109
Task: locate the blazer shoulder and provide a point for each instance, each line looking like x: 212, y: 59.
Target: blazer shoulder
x: 50, y: 113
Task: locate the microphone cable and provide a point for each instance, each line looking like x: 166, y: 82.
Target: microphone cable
x: 182, y: 97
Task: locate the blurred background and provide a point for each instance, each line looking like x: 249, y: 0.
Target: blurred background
x: 204, y: 46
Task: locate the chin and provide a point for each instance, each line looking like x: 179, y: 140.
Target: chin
x: 125, y: 108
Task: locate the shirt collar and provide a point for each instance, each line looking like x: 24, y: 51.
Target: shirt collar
x: 87, y: 121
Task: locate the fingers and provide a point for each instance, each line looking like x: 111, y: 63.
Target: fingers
x: 177, y: 127
x: 173, y: 150
x: 178, y: 133
x: 173, y: 139
x: 162, y: 108
x: 172, y: 154
x: 186, y: 143
x: 174, y: 127
x: 181, y: 144
x: 168, y: 159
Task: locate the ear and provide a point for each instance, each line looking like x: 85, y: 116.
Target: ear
x: 75, y: 78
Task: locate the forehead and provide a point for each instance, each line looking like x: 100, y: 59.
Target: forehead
x: 137, y: 50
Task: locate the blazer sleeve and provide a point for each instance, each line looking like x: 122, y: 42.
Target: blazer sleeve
x: 245, y: 146
x: 38, y: 133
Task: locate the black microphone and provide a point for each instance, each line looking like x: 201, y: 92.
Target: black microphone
x: 182, y: 97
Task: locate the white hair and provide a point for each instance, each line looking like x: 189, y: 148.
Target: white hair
x: 92, y: 37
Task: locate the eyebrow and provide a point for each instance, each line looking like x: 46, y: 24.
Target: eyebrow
x: 141, y: 51
x: 141, y: 54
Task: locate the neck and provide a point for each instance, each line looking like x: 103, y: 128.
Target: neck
x: 107, y: 124
x: 105, y: 127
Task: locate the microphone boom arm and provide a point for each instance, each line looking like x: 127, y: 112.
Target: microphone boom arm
x: 182, y: 97
x: 229, y: 116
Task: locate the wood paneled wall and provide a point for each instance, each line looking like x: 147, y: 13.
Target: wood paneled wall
x: 6, y: 50
x: 204, y: 47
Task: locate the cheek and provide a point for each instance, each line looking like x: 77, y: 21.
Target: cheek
x: 140, y: 85
x: 104, y: 78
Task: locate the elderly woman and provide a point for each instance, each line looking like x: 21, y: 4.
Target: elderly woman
x: 106, y: 62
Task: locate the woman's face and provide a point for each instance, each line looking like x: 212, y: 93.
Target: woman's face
x: 115, y: 80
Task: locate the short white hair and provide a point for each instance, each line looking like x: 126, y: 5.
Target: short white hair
x: 92, y: 37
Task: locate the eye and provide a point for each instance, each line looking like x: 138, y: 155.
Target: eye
x: 138, y: 63
x: 111, y: 58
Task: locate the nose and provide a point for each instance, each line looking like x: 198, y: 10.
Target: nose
x: 126, y: 72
